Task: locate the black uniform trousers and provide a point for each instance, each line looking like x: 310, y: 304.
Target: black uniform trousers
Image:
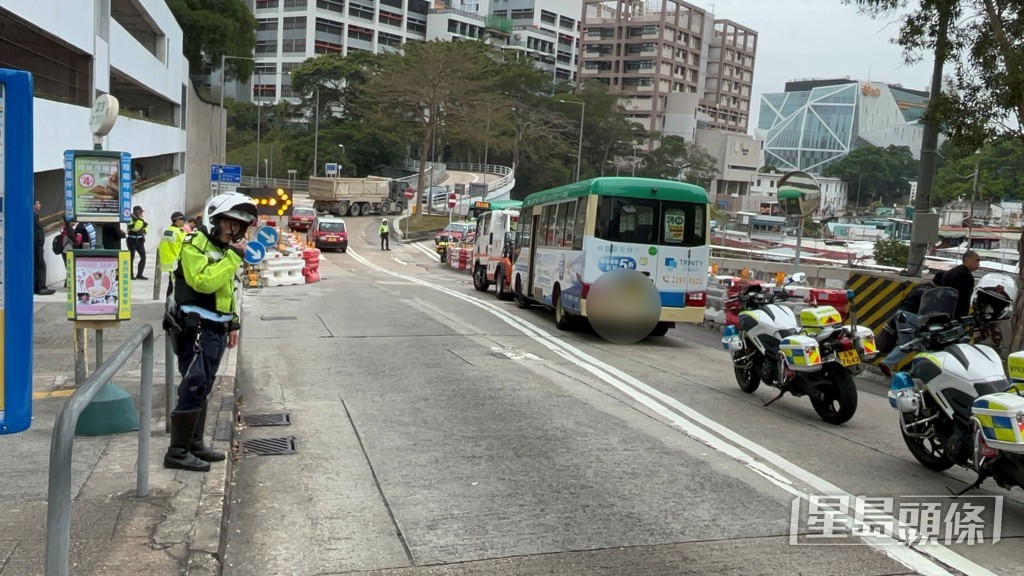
x: 192, y: 392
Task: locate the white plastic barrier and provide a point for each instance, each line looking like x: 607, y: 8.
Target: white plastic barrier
x: 283, y: 269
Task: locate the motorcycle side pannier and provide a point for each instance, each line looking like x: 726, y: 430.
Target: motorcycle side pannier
x: 1001, y: 416
x: 1015, y: 365
x: 867, y: 347
x: 801, y: 353
x: 814, y: 320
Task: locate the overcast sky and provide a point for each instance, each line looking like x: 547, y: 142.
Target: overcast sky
x: 818, y: 39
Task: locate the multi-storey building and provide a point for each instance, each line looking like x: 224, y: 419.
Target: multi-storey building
x: 814, y: 123
x: 129, y: 49
x: 290, y: 31
x: 651, y: 52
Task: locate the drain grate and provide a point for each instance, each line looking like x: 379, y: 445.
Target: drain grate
x: 275, y: 419
x: 270, y: 446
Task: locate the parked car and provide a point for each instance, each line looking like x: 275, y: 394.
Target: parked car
x: 329, y: 232
x: 301, y: 219
x: 453, y: 232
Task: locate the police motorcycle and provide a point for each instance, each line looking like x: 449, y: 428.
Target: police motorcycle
x: 956, y: 405
x: 817, y: 358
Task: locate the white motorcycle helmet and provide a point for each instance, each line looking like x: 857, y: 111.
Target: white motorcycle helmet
x: 233, y: 206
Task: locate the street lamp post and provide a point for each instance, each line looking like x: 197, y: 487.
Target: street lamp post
x: 634, y: 160
x: 579, y: 147
x: 316, y: 130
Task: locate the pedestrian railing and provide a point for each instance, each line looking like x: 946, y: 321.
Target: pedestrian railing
x: 58, y: 507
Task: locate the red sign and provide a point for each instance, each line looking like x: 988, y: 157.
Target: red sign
x: 409, y: 193
x: 451, y: 200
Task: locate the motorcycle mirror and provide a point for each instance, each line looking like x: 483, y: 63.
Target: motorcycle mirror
x: 798, y: 278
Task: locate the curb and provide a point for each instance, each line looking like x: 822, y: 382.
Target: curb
x: 413, y: 236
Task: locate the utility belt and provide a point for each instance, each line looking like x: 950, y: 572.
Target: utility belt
x: 184, y: 328
x: 136, y: 236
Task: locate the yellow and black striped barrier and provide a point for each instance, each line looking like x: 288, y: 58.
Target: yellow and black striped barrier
x: 876, y: 297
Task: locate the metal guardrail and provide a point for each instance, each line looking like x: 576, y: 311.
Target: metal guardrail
x: 58, y: 507
x: 507, y: 174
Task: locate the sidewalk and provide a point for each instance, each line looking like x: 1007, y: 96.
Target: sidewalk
x: 176, y: 529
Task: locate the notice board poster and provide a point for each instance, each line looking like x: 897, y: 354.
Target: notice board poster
x: 101, y: 285
x: 98, y: 185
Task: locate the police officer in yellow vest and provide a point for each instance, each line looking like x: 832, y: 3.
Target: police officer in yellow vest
x: 384, y: 230
x: 170, y: 246
x: 137, y: 229
x: 202, y: 321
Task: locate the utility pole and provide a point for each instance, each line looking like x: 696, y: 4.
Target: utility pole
x: 974, y: 196
x: 316, y: 130
x: 929, y: 148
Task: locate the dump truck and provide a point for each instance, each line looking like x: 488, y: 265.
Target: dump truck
x: 358, y: 196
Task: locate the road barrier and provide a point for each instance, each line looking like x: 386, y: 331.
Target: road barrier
x: 311, y: 269
x: 283, y: 269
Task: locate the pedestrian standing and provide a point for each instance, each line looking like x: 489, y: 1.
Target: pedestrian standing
x: 69, y: 239
x: 202, y: 321
x: 384, y: 231
x: 137, y: 229
x: 39, y: 276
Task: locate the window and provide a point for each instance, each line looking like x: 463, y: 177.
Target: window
x: 329, y: 27
x: 294, y: 45
x: 295, y: 23
x: 266, y: 47
x: 266, y: 24
x: 581, y: 221
x: 359, y: 11
x: 264, y: 4
x: 569, y: 217
x: 523, y: 236
x: 294, y: 3
x: 651, y: 222
x: 332, y: 5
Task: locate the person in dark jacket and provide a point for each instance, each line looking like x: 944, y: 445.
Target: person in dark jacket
x: 961, y: 278
x: 38, y: 245
x: 111, y: 235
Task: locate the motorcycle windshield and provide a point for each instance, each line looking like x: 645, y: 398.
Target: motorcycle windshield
x: 938, y: 306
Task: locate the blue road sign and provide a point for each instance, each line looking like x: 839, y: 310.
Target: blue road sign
x: 16, y: 198
x: 255, y: 253
x: 267, y: 236
x: 226, y: 173
x: 331, y: 167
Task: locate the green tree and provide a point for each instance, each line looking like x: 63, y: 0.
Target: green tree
x: 1001, y: 174
x: 677, y: 159
x: 431, y: 82
x: 891, y: 252
x: 985, y: 102
x: 215, y: 28
x: 876, y: 174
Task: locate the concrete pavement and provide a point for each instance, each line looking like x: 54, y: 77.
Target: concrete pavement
x: 173, y: 531
x: 441, y: 432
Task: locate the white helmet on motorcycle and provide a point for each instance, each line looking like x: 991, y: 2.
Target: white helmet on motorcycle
x: 233, y: 206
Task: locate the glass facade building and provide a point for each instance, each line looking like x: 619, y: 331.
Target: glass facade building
x: 815, y: 123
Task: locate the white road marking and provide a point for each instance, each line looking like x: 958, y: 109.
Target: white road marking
x: 714, y: 435
x: 427, y: 251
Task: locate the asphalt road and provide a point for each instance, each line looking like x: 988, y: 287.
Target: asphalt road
x: 440, y: 431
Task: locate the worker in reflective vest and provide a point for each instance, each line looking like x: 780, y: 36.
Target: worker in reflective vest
x: 137, y: 229
x: 170, y: 246
x: 385, y: 244
x: 202, y: 322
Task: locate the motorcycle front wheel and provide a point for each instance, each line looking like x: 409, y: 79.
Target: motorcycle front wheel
x: 840, y: 400
x: 929, y: 452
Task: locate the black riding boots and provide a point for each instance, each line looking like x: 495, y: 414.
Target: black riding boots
x: 198, y: 448
x: 183, y: 425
